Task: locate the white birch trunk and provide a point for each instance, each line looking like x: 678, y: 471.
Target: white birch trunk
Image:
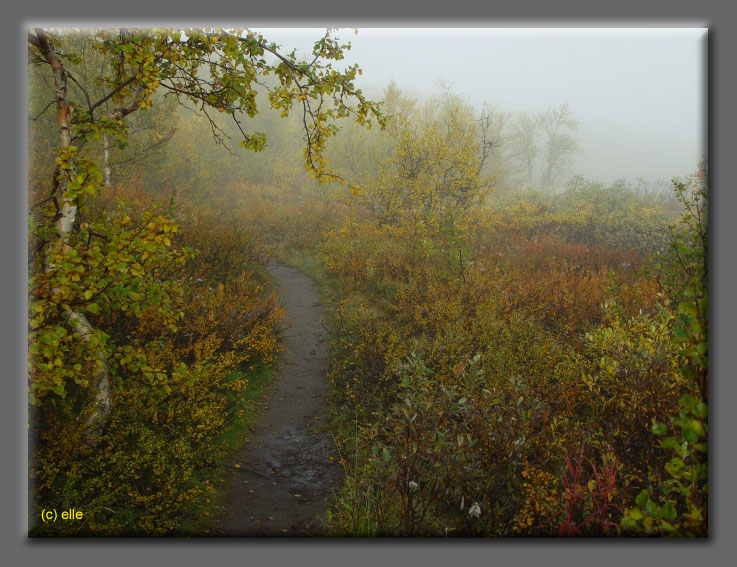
x: 100, y: 384
x: 106, y: 172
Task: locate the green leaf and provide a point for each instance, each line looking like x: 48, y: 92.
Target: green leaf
x: 690, y: 435
x: 687, y: 401
x: 642, y: 499
x: 680, y: 333
x: 697, y: 427
x: 653, y: 509
x: 687, y: 307
x: 675, y: 467
x: 668, y: 511
x: 669, y: 443
x: 659, y: 429
x: 665, y: 526
x: 700, y: 410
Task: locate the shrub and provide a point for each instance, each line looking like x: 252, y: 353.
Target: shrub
x: 171, y: 363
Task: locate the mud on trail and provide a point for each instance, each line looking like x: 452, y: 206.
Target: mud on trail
x: 283, y: 478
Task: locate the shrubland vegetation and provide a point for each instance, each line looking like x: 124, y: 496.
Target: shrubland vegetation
x: 148, y: 309
x: 517, y: 351
x: 525, y: 352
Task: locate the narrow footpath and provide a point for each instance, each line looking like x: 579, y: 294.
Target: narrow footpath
x: 283, y: 479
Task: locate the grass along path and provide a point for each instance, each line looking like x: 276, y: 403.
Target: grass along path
x: 282, y: 480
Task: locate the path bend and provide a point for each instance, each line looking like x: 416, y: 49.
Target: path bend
x: 283, y: 478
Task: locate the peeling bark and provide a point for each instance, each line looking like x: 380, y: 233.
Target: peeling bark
x: 67, y: 216
x: 102, y: 397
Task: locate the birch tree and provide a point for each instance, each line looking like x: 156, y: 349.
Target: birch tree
x: 82, y: 268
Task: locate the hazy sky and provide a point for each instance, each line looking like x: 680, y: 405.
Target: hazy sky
x: 639, y: 94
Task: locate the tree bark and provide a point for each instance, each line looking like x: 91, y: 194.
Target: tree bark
x: 106, y: 171
x: 100, y: 384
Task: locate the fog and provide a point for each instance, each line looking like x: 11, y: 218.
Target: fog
x: 639, y: 95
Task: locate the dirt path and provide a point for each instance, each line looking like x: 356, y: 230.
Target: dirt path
x: 283, y: 477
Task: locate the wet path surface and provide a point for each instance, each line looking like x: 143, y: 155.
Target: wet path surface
x: 283, y: 478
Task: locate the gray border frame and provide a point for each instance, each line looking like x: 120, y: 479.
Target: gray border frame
x: 717, y: 15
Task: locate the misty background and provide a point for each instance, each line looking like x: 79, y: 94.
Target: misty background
x: 504, y: 255
x: 638, y: 95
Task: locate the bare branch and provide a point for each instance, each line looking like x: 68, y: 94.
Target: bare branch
x: 34, y: 118
x: 81, y: 88
x: 111, y: 94
x: 148, y: 148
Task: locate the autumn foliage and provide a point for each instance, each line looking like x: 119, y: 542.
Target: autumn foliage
x: 527, y: 380
x: 172, y: 357
x: 505, y: 362
x: 518, y: 356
